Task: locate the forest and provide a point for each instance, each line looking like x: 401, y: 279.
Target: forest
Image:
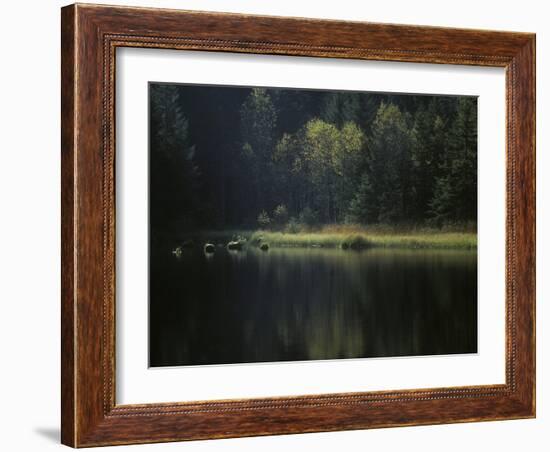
x: 290, y: 160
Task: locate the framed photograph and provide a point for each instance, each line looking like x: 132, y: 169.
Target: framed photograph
x: 280, y: 225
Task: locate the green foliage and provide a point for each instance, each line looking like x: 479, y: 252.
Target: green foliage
x: 263, y: 220
x: 174, y: 175
x: 293, y: 226
x: 363, y: 208
x: 280, y: 215
x: 443, y: 201
x: 308, y: 217
x: 258, y: 123
x: 258, y: 120
x: 169, y: 124
x: 290, y: 170
x: 429, y: 147
x: 359, y: 242
x: 455, y: 193
x: 389, y: 162
x: 300, y: 160
x: 321, y: 144
x: 356, y: 242
x: 359, y: 238
x: 333, y: 159
x: 341, y: 107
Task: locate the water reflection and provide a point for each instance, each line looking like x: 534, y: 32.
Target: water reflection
x: 307, y: 304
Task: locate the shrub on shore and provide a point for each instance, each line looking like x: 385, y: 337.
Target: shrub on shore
x: 356, y: 242
x: 342, y: 236
x: 367, y: 239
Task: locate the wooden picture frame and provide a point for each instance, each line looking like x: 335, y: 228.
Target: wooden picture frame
x: 90, y: 36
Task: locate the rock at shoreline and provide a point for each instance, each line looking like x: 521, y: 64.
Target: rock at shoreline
x: 209, y: 248
x: 235, y: 245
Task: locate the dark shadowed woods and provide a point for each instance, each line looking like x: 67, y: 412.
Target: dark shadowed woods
x: 287, y: 159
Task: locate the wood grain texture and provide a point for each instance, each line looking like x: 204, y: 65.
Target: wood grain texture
x: 90, y: 36
x: 67, y: 224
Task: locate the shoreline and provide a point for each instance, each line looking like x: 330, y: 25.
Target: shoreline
x: 353, y: 239
x: 364, y: 240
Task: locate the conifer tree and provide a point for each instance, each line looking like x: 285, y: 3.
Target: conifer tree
x: 174, y: 175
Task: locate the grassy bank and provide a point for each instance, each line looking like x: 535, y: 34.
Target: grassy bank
x: 356, y: 237
x: 366, y: 240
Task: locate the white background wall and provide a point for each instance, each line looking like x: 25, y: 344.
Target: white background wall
x: 30, y: 211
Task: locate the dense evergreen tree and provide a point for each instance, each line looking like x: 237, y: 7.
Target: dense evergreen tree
x: 291, y: 169
x: 310, y: 157
x: 455, y: 192
x: 174, y: 175
x: 390, y: 168
x: 429, y: 146
x: 362, y: 209
x: 341, y: 107
x: 258, y: 123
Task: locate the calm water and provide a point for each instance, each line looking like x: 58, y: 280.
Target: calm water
x: 304, y: 304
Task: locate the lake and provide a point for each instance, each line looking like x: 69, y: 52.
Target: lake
x: 295, y: 304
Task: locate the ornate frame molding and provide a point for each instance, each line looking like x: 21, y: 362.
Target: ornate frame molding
x: 90, y: 37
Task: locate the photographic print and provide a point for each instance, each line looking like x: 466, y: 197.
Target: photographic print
x: 283, y: 214
x: 299, y: 224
